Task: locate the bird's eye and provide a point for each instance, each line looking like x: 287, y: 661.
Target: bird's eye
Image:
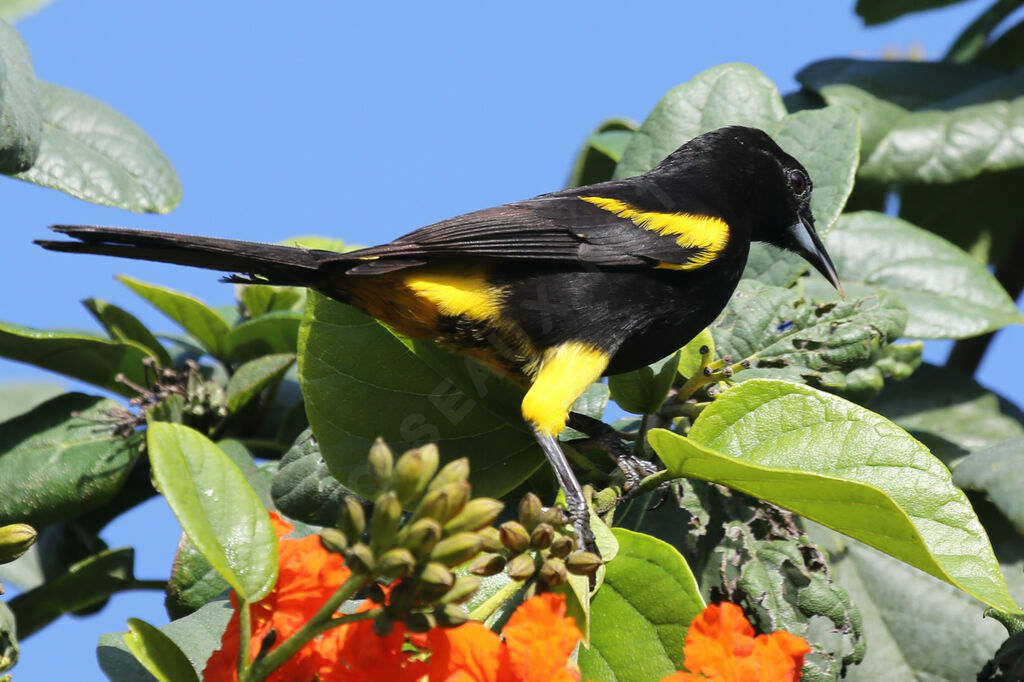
x: 798, y: 182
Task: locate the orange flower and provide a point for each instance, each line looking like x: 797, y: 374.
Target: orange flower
x: 308, y: 575
x: 720, y: 645
x: 539, y: 639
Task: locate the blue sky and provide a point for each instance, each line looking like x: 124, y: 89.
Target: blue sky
x: 364, y: 122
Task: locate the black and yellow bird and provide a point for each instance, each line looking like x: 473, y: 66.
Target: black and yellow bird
x: 558, y: 290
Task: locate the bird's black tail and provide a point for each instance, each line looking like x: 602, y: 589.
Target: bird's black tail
x: 269, y: 263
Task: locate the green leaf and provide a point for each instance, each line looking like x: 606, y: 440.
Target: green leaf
x: 262, y: 299
x: 880, y: 11
x: 361, y: 381
x: 840, y: 346
x: 641, y: 613
x: 601, y: 151
x: 643, y: 391
x: 217, y: 508
x: 970, y: 42
x: 123, y: 326
x: 206, y: 325
x: 9, y: 649
x: 949, y: 412
x: 845, y: 467
x: 272, y: 333
x: 690, y: 357
x: 21, y: 111
x: 17, y: 398
x: 94, y: 153
x: 85, y: 584
x: 998, y: 471
x: 16, y: 9
x: 255, y: 375
x: 78, y: 355
x: 947, y: 293
x: 158, y: 653
x: 1007, y: 49
x: 919, y: 628
x: 197, y: 635
x: 303, y: 489
x: 63, y: 465
x: 729, y: 94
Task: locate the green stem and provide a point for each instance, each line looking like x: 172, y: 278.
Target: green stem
x: 289, y: 647
x: 487, y: 609
x: 653, y: 481
x: 245, y: 633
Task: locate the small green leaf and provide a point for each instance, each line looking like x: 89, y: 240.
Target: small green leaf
x: 641, y: 613
x: 9, y: 649
x: 217, y: 508
x: 601, y: 151
x: 947, y: 293
x: 206, y: 325
x: 690, y: 355
x: 643, y: 391
x: 303, y: 489
x: 998, y: 471
x: 87, y: 583
x: 123, y: 326
x: 21, y: 111
x: 94, y: 153
x: 61, y: 466
x: 262, y: 299
x: 845, y: 467
x: 880, y: 11
x: 78, y: 355
x: 361, y: 380
x: 255, y: 375
x: 158, y: 653
x: 973, y: 39
x: 271, y: 333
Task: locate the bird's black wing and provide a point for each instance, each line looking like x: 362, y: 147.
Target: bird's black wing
x: 553, y: 228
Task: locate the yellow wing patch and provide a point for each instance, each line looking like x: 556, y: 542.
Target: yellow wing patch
x: 708, y: 234
x: 563, y: 373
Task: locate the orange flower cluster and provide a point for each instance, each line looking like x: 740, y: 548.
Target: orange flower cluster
x: 308, y: 575
x: 721, y: 646
x: 538, y: 638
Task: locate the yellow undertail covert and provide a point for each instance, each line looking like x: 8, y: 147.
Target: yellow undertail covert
x: 708, y: 234
x: 563, y: 374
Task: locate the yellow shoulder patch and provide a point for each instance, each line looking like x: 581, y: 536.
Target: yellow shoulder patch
x: 562, y: 374
x: 708, y: 234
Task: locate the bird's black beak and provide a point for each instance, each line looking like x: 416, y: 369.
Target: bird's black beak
x: 810, y: 247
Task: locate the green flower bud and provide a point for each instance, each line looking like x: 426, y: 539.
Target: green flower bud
x: 491, y: 539
x: 413, y: 472
x: 553, y: 572
x: 436, y: 578
x: 457, y: 549
x: 583, y: 563
x: 456, y: 471
x: 382, y: 464
x: 15, y: 540
x: 521, y: 567
x: 403, y: 596
x: 443, y: 504
x: 464, y: 588
x: 487, y: 565
x: 420, y: 536
x: 352, y: 520
x: 542, y: 536
x: 477, y: 513
x: 561, y: 546
x: 420, y: 622
x: 514, y: 536
x: 387, y: 514
x: 553, y: 516
x: 396, y: 563
x: 451, y: 616
x: 360, y: 558
x: 530, y: 509
x: 333, y: 540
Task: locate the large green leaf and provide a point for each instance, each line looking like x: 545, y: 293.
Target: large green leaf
x: 998, y: 471
x: 642, y: 391
x: 880, y: 11
x: 78, y: 355
x: 303, y: 489
x: 21, y: 112
x: 205, y: 324
x: 255, y: 375
x: 641, y: 613
x: 918, y: 627
x: 949, y: 412
x: 217, y: 508
x: 838, y: 345
x: 158, y: 653
x: 601, y: 151
x: 361, y: 380
x: 271, y: 333
x: 94, y: 153
x: 60, y: 466
x: 20, y: 397
x: 123, y: 326
x: 845, y: 467
x: 947, y: 293
x: 85, y: 584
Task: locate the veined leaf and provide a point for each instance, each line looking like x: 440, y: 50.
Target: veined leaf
x: 123, y: 326
x: 158, y: 653
x: 601, y: 151
x: 21, y: 111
